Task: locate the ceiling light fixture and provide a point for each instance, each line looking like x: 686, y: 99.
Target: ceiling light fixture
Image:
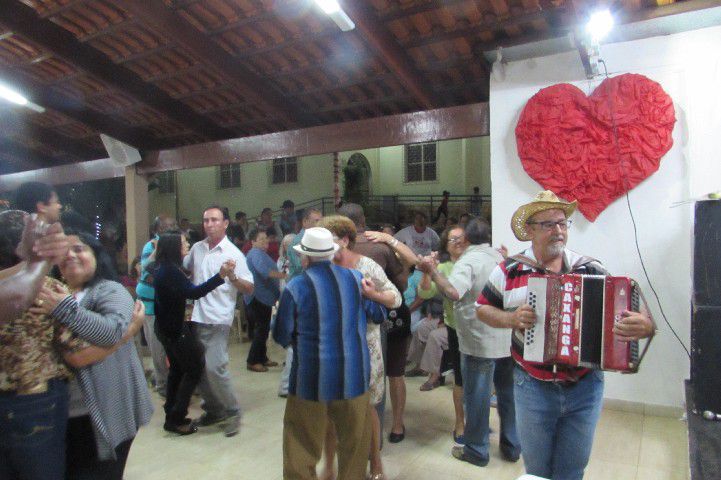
x: 599, y: 25
x: 333, y: 10
x: 13, y: 96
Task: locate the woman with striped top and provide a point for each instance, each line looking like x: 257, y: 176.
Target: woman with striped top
x: 109, y: 400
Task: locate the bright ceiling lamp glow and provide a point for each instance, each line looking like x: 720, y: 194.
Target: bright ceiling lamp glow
x: 599, y: 25
x: 328, y: 6
x: 12, y: 96
x: 333, y: 10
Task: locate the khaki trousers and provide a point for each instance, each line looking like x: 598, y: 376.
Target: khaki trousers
x: 304, y: 429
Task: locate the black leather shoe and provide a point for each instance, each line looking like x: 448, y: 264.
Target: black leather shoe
x: 510, y: 454
x: 397, y: 437
x: 180, y: 429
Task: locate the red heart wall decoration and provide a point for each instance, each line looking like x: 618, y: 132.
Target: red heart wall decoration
x: 567, y: 144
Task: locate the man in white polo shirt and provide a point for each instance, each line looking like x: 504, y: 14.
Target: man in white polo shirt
x: 213, y: 316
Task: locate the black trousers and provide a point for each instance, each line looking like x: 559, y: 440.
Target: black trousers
x: 81, y: 454
x: 441, y: 210
x: 187, y: 362
x: 455, y: 355
x: 259, y: 316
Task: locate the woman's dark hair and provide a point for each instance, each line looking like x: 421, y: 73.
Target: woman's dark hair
x: 168, y: 249
x: 104, y: 269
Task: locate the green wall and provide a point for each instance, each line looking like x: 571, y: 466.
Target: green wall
x: 462, y: 164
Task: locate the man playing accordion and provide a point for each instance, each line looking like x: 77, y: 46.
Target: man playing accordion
x: 556, y: 408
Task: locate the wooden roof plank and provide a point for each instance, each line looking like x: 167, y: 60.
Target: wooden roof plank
x: 394, y: 57
x: 185, y: 34
x: 24, y: 20
x: 400, y: 12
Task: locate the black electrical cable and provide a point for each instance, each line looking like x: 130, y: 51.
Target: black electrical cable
x: 633, y: 220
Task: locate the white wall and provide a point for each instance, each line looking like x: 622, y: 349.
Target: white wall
x: 688, y: 66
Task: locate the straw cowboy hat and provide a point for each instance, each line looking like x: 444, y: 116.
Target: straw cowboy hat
x: 317, y: 242
x: 545, y: 200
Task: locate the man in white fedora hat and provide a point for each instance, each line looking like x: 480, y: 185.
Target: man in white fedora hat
x: 556, y: 409
x: 322, y: 314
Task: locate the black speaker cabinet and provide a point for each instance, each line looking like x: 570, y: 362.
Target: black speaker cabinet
x: 706, y: 358
x: 707, y: 254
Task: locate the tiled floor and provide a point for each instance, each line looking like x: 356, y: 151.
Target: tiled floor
x: 628, y: 446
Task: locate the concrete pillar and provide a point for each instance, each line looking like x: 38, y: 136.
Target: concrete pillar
x: 136, y: 208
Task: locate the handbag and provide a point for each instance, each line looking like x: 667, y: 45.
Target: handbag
x: 398, y: 321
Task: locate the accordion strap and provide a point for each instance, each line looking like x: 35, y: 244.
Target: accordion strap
x: 525, y: 260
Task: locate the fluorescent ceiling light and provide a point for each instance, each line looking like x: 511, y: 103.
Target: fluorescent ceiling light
x: 12, y: 96
x: 599, y: 25
x: 333, y: 10
x: 328, y: 6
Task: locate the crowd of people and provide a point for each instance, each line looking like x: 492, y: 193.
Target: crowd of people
x: 352, y: 306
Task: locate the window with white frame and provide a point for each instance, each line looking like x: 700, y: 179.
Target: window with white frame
x: 284, y: 170
x: 421, y: 162
x: 229, y: 176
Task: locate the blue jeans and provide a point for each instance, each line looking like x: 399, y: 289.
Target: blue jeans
x: 32, y: 442
x: 479, y: 375
x: 556, y: 423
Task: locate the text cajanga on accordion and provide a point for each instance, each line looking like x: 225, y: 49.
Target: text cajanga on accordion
x: 576, y: 315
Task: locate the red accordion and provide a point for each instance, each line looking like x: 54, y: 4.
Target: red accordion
x: 576, y: 316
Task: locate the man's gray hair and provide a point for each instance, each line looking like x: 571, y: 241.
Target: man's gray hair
x: 164, y: 223
x: 477, y: 231
x: 324, y: 258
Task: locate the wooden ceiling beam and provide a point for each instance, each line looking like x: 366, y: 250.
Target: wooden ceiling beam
x: 12, y: 123
x: 72, y: 108
x: 25, y: 21
x: 157, y: 15
x: 394, y: 57
x: 440, y: 124
x: 85, y: 172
